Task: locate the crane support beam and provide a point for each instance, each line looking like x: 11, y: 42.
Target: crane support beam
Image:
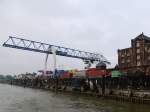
x: 24, y: 44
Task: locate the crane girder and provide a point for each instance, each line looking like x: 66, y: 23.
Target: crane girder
x: 24, y: 44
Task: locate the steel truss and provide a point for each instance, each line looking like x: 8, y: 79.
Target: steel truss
x: 24, y: 44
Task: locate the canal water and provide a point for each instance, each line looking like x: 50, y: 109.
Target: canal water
x: 19, y: 99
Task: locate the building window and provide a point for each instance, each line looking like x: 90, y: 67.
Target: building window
x: 138, y: 51
x: 138, y: 44
x: 148, y: 57
x: 122, y: 61
x: 128, y: 54
x: 138, y: 63
x: 146, y: 49
x: 138, y: 57
x: 122, y: 55
x: 128, y: 60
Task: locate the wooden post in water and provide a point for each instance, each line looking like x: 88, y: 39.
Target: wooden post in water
x: 103, y: 85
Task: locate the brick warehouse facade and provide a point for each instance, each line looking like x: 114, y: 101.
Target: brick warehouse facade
x: 137, y: 57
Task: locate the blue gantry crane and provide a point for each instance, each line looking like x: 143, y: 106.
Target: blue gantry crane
x: 24, y: 44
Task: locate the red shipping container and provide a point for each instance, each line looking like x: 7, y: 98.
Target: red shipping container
x: 66, y: 75
x: 96, y: 73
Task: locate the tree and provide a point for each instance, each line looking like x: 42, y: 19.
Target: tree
x: 9, y: 77
x: 2, y: 77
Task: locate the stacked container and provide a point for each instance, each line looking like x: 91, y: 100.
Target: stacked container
x: 59, y: 72
x: 96, y: 73
x: 116, y: 73
x: 66, y: 75
x: 80, y: 74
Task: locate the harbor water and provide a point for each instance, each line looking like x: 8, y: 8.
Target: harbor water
x: 19, y: 99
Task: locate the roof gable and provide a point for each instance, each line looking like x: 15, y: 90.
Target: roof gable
x: 142, y: 36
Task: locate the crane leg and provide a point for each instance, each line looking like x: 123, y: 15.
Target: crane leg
x: 45, y: 68
x: 54, y: 73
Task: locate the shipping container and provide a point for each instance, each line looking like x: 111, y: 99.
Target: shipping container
x: 47, y: 72
x: 116, y: 73
x: 66, y: 75
x: 96, y: 73
x: 80, y: 74
x: 59, y: 72
x: 73, y: 71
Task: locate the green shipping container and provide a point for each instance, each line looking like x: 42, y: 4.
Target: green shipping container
x: 116, y: 74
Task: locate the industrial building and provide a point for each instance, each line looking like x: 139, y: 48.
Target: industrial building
x: 136, y: 57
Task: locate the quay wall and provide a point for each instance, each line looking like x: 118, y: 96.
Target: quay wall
x: 117, y: 94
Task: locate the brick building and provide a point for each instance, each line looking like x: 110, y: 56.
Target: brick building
x: 137, y: 56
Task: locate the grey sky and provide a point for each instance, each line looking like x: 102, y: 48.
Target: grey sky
x: 90, y: 25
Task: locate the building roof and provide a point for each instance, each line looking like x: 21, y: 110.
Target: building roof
x: 101, y: 64
x: 142, y: 36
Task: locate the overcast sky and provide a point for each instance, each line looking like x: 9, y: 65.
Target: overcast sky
x: 91, y: 25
